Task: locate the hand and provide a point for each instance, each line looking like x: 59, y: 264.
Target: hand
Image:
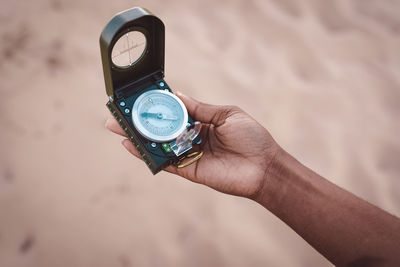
x: 238, y: 151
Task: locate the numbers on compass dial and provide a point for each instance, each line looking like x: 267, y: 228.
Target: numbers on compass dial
x: 159, y: 115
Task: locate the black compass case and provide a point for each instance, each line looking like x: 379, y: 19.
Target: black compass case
x: 125, y: 84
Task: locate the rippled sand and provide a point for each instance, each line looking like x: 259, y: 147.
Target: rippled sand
x: 322, y: 76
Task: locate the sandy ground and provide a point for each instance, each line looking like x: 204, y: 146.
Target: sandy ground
x: 322, y: 76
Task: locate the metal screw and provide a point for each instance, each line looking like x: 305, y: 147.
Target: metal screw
x: 188, y: 125
x: 122, y: 104
x: 153, y: 144
x: 166, y: 90
x: 199, y: 141
x: 127, y: 110
x: 161, y: 84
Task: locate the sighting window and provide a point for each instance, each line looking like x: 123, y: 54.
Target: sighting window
x: 129, y: 48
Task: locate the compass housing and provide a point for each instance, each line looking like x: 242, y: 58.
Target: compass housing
x: 125, y: 84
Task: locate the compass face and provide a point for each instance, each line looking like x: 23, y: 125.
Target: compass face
x: 159, y: 115
x: 129, y: 48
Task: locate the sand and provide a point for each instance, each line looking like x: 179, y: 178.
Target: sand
x: 322, y: 76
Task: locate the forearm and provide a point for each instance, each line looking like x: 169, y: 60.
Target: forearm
x: 342, y: 227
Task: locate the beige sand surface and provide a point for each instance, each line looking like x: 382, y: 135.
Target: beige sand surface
x: 322, y: 76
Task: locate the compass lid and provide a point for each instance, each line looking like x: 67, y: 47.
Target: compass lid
x: 132, y: 22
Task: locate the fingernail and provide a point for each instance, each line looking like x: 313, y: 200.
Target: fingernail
x: 179, y: 93
x: 123, y: 142
x: 107, y: 123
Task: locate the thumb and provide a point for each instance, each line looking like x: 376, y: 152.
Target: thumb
x: 206, y: 113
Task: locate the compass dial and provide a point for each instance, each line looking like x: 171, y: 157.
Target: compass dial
x: 159, y: 116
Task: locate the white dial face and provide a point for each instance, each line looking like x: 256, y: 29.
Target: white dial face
x: 159, y: 116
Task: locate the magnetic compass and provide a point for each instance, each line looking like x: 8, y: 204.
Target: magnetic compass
x: 132, y: 47
x: 159, y: 115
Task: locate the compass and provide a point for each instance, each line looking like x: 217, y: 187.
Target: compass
x: 159, y: 115
x: 132, y: 47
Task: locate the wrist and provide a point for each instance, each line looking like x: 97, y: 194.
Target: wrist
x: 275, y: 172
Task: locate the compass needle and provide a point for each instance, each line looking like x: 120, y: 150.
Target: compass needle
x: 159, y: 116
